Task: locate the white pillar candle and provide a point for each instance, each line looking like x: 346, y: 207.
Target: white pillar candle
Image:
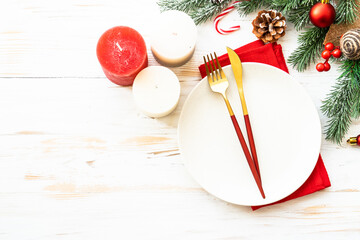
x: 156, y: 91
x: 173, y: 38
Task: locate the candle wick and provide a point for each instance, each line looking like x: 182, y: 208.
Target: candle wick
x: 117, y: 44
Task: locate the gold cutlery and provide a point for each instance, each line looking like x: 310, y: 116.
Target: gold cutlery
x: 219, y: 84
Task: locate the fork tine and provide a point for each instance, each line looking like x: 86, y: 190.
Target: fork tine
x: 207, y: 69
x: 211, y: 69
x: 208, y: 59
x: 219, y: 66
x: 217, y: 61
x: 216, y: 70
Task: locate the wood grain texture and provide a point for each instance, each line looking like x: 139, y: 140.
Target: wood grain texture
x: 79, y: 161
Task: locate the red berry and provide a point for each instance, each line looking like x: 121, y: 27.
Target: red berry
x: 320, y: 67
x: 336, y: 53
x: 329, y: 46
x: 326, y: 66
x: 326, y: 54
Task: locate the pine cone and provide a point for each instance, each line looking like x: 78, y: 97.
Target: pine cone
x: 269, y: 26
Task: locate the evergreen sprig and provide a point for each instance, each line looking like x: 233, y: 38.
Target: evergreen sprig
x: 246, y: 7
x: 296, y: 10
x: 355, y: 111
x: 182, y: 5
x: 287, y: 6
x: 299, y: 17
x: 310, y: 45
x: 199, y: 10
x: 342, y: 102
x: 208, y: 11
x: 346, y: 11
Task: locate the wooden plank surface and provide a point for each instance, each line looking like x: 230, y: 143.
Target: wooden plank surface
x: 79, y: 161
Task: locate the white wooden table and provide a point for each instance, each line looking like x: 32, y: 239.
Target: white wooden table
x: 79, y: 161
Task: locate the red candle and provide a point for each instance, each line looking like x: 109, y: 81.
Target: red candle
x: 122, y: 54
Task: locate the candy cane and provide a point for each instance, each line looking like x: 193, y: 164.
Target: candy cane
x: 221, y: 16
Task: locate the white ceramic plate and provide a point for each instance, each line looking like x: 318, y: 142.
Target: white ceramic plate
x: 286, y: 130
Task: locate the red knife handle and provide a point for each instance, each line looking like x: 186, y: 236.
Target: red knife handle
x: 252, y: 143
x: 247, y: 155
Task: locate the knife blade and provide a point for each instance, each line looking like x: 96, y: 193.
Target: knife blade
x: 237, y: 70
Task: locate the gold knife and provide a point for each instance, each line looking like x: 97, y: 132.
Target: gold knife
x: 237, y: 70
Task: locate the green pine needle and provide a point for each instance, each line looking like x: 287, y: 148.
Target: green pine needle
x: 246, y: 7
x: 355, y: 110
x: 346, y: 11
x: 310, y: 45
x: 199, y: 10
x: 287, y: 6
x: 180, y: 5
x: 343, y: 102
x: 300, y: 17
x: 208, y: 11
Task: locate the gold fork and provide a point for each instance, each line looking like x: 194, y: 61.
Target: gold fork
x: 219, y: 84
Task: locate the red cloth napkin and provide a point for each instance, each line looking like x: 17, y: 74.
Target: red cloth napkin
x: 271, y: 54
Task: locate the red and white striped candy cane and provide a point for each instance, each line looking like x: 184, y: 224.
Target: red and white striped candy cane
x: 221, y: 16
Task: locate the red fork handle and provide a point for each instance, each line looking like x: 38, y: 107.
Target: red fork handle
x: 247, y: 155
x: 252, y: 143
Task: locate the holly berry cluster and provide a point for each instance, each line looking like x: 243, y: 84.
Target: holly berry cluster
x: 330, y: 50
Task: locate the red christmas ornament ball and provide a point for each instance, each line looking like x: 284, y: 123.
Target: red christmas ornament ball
x: 320, y: 67
x: 322, y: 14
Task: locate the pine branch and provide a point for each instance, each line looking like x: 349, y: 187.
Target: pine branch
x: 208, y: 11
x: 310, y: 47
x: 199, y: 10
x: 346, y: 11
x: 287, y: 6
x: 180, y: 5
x: 300, y: 17
x: 246, y: 7
x: 296, y: 10
x: 339, y: 104
x: 355, y: 111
